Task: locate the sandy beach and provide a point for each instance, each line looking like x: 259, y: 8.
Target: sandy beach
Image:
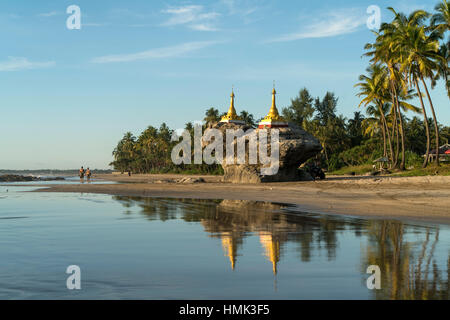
x: 412, y: 198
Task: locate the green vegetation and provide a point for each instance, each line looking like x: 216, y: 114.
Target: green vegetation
x: 150, y: 152
x: 353, y: 170
x: 408, y: 58
x: 431, y: 170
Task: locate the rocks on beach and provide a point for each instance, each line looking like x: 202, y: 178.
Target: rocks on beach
x: 19, y: 178
x: 191, y: 180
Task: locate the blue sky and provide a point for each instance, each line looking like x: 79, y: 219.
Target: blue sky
x: 67, y: 96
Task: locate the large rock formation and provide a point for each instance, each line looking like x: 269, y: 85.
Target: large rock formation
x: 296, y: 146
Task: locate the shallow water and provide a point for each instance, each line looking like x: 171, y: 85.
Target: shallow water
x: 135, y: 248
x: 67, y: 180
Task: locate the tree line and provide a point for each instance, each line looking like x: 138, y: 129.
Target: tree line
x: 409, y: 57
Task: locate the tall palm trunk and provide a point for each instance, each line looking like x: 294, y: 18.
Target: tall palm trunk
x: 402, y: 135
x: 397, y: 142
x: 401, y: 129
x: 384, y: 139
x: 395, y: 133
x: 425, y: 119
x: 387, y: 130
x: 436, y: 128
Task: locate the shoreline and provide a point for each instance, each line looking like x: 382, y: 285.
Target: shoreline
x: 423, y: 199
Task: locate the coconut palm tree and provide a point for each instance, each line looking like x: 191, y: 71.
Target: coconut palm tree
x: 124, y: 153
x: 443, y: 71
x: 421, y: 54
x: 248, y: 118
x: 374, y: 123
x: 440, y: 21
x: 211, y: 115
x: 382, y: 51
x: 372, y: 88
x: 401, y: 98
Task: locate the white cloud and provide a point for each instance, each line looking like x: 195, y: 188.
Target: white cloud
x: 48, y: 14
x: 158, y: 53
x: 193, y: 16
x: 203, y: 27
x: 334, y: 24
x: 19, y: 63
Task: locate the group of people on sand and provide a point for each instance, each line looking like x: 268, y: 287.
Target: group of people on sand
x: 86, y: 173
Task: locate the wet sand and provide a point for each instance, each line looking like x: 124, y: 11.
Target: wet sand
x: 412, y: 198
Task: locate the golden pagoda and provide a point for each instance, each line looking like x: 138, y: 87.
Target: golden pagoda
x: 231, y: 116
x: 273, y: 119
x: 271, y: 249
x: 230, y: 248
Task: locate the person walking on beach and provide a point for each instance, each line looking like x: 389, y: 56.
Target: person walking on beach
x: 81, y: 173
x: 88, y: 173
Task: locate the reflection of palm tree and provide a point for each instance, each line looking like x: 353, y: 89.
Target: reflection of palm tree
x: 404, y: 275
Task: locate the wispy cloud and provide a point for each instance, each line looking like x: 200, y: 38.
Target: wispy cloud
x: 158, y: 53
x: 248, y: 11
x: 94, y: 24
x: 49, y: 14
x: 121, y: 13
x: 203, y: 27
x: 192, y: 16
x: 333, y: 24
x: 20, y: 63
x: 242, y: 8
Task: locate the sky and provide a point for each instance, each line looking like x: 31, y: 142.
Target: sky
x: 67, y: 96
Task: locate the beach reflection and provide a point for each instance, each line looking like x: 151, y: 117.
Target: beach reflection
x: 406, y: 253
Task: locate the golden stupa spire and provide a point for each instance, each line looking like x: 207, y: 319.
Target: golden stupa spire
x: 273, y: 109
x: 273, y: 118
x: 271, y: 249
x: 230, y: 249
x: 231, y: 115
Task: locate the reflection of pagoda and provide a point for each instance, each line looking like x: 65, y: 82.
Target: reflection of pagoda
x: 271, y: 248
x: 229, y: 245
x: 273, y: 119
x: 231, y: 116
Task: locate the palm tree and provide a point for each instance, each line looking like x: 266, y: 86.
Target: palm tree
x: 417, y: 54
x: 401, y: 98
x: 443, y: 69
x: 374, y: 123
x: 382, y: 52
x: 124, y: 153
x: 211, y: 115
x: 373, y: 90
x: 248, y: 118
x: 440, y: 21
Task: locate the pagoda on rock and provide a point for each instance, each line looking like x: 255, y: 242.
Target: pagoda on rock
x: 273, y: 119
x: 231, y: 116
